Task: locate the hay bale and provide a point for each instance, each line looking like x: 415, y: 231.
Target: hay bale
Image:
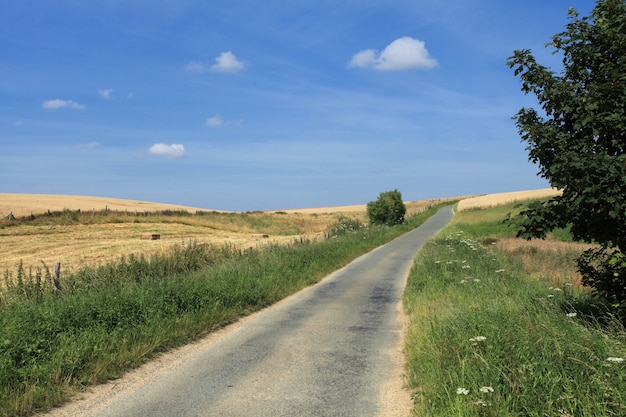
x: 150, y: 236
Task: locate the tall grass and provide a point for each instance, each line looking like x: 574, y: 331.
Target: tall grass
x: 489, y: 338
x: 108, y: 319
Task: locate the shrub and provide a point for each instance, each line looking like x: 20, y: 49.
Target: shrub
x: 388, y: 209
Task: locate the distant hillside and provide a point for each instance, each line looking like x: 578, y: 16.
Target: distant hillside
x: 492, y: 200
x: 23, y: 204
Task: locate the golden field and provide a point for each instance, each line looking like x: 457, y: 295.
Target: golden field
x: 119, y: 233
x: 22, y: 205
x: 500, y: 199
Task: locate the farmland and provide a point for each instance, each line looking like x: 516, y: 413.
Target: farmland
x: 501, y: 302
x: 95, y: 230
x: 107, y: 319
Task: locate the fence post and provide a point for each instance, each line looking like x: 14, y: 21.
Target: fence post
x: 56, y: 278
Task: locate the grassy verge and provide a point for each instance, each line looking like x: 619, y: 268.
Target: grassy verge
x: 109, y: 319
x: 491, y: 334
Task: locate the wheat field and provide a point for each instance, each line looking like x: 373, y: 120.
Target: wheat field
x: 22, y: 205
x: 501, y: 199
x: 75, y: 245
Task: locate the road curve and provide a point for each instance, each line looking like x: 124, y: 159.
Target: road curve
x: 326, y: 351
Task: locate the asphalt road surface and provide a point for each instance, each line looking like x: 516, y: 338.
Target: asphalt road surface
x: 327, y: 351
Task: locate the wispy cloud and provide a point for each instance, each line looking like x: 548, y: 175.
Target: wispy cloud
x: 172, y: 151
x: 61, y: 104
x: 215, y: 121
x: 226, y: 62
x: 88, y: 145
x: 106, y: 94
x: 196, y: 66
x: 402, y: 54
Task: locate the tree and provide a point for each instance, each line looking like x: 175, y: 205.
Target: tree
x: 579, y: 142
x: 388, y: 209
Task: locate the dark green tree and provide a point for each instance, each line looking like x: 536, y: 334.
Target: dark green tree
x: 578, y: 139
x: 388, y: 209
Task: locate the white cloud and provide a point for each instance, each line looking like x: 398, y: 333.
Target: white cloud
x: 106, y: 94
x: 364, y: 58
x: 402, y: 54
x: 215, y: 121
x: 172, y: 151
x: 227, y: 62
x: 60, y: 104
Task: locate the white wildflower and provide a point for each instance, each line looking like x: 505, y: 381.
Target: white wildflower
x: 615, y: 360
x: 478, y: 339
x: 462, y: 391
x: 486, y: 389
x: 570, y: 315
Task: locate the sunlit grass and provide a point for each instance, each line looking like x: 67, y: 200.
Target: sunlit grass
x: 489, y: 337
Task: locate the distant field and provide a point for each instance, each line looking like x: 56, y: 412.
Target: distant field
x: 99, y: 240
x: 24, y: 204
x: 500, y: 199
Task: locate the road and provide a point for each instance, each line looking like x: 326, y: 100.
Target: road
x: 326, y: 351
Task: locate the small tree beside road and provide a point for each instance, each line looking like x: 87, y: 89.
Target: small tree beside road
x: 388, y: 209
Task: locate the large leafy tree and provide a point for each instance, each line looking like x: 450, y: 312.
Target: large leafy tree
x: 578, y: 139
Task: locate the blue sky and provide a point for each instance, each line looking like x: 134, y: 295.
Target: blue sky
x: 245, y: 105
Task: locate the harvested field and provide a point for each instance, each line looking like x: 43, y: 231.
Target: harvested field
x: 99, y: 239
x: 500, y: 199
x: 22, y: 205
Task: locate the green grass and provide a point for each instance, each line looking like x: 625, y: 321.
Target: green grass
x: 488, y: 338
x: 109, y: 319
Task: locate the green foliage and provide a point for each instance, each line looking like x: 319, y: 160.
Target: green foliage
x: 344, y: 225
x: 388, y: 209
x: 579, y: 141
x: 604, y: 270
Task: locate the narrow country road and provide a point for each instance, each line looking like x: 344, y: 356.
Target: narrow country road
x: 326, y: 351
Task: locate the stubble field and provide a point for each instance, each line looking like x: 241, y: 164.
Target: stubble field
x: 107, y: 228
x: 89, y: 237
